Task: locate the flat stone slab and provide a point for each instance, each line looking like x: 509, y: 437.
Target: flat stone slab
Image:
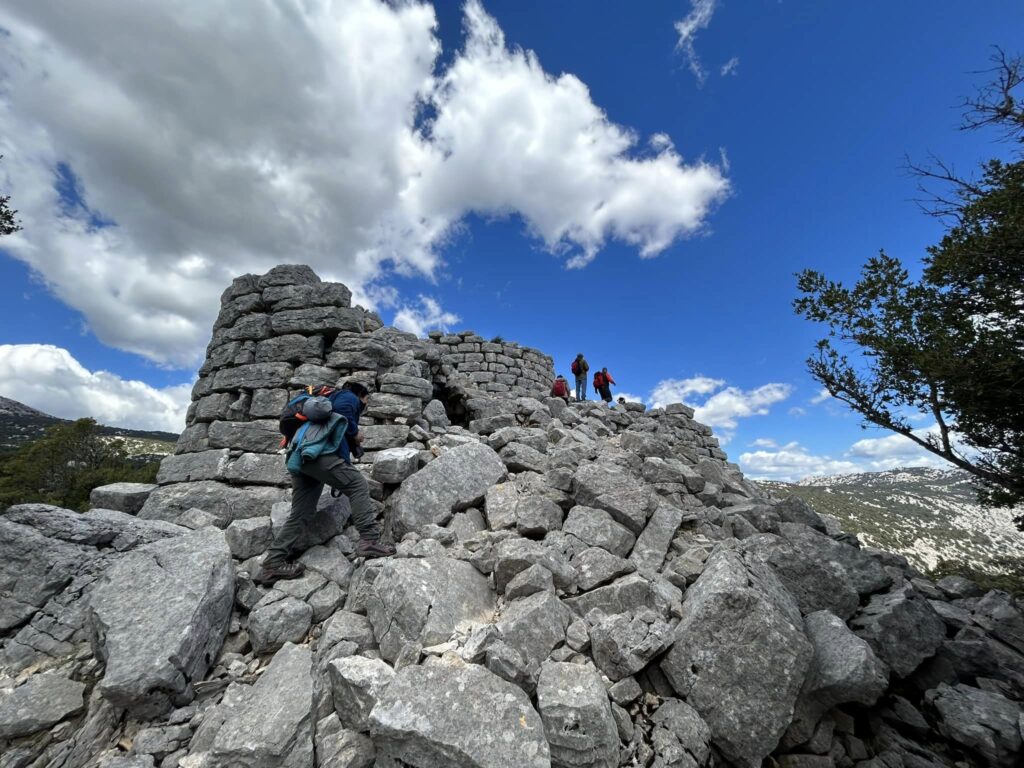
x: 40, y: 702
x: 272, y: 726
x: 457, y: 716
x: 122, y: 497
x: 158, y: 616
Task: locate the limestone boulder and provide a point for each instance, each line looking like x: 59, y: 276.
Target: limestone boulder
x: 271, y: 725
x: 456, y: 480
x: 225, y: 502
x: 986, y: 723
x: 485, y: 722
x: 43, y: 700
x: 901, y: 627
x: 158, y: 616
x: 732, y: 621
x: 421, y: 601
x: 577, y: 716
x: 357, y: 683
x: 121, y: 497
x: 624, y: 644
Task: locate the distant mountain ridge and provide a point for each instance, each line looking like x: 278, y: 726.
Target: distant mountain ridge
x: 21, y: 424
x: 926, y: 514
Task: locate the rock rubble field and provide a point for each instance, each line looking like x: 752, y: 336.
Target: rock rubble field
x: 574, y: 586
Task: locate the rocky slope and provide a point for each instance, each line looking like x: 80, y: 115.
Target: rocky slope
x: 928, y: 515
x: 575, y: 586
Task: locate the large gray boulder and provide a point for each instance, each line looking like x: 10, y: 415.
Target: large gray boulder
x: 278, y: 619
x: 653, y: 543
x: 843, y: 670
x: 356, y: 684
x: 33, y: 568
x: 121, y: 497
x: 680, y: 738
x: 454, y: 481
x: 40, y: 702
x: 534, y: 625
x: 158, y: 617
x: 271, y: 725
x: 735, y: 620
x: 623, y: 644
x: 422, y: 600
x: 901, y: 627
x: 865, y: 572
x: 458, y: 717
x: 577, y: 716
x: 986, y: 723
x: 817, y: 584
x: 225, y: 502
x: 613, y: 489
x: 596, y: 528
x: 1001, y: 616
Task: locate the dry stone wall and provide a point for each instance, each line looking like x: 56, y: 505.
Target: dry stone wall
x: 497, y: 366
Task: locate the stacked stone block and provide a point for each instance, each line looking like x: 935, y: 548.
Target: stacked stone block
x: 497, y: 367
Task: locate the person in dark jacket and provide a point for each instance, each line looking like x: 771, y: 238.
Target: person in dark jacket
x: 335, y: 470
x: 602, y: 383
x: 580, y: 366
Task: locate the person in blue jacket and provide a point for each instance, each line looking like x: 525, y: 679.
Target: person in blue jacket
x: 335, y: 470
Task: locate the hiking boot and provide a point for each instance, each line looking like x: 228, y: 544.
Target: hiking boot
x: 370, y: 549
x: 279, y: 572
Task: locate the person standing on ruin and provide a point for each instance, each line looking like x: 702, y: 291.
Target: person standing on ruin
x: 602, y: 384
x: 580, y: 367
x: 335, y: 470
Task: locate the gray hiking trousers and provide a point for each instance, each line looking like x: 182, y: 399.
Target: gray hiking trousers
x: 306, y: 489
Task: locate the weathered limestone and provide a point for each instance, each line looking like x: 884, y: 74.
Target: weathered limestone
x: 577, y: 717
x: 485, y: 722
x: 41, y: 701
x: 121, y: 497
x: 746, y: 703
x: 158, y: 617
x: 456, y: 480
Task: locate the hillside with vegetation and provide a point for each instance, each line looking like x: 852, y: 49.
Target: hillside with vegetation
x: 931, y: 516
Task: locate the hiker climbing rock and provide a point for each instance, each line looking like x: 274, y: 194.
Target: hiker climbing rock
x: 602, y: 384
x: 580, y: 367
x: 321, y: 427
x: 560, y: 388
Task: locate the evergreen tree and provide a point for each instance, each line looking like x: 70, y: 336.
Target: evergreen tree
x: 951, y: 344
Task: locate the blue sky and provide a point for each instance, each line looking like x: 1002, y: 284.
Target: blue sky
x: 807, y: 127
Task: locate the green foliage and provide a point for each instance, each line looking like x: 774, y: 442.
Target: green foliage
x: 9, y: 223
x: 1010, y: 580
x: 497, y: 340
x: 64, y: 465
x: 949, y: 345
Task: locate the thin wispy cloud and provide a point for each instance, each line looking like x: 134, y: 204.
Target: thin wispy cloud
x: 698, y: 18
x: 731, y: 67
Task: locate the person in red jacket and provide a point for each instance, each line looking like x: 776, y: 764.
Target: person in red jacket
x: 602, y: 382
x: 560, y: 388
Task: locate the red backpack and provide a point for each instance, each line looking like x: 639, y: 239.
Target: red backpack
x: 577, y: 369
x: 560, y: 388
x: 598, y: 380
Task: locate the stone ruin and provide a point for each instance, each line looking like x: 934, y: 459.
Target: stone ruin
x: 574, y: 586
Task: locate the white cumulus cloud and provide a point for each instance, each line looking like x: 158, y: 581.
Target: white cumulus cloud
x: 880, y: 453
x: 156, y: 150
x: 716, y: 405
x: 428, y: 316
x: 792, y: 462
x: 49, y: 379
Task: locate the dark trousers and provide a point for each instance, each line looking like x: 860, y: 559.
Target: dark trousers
x: 306, y: 490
